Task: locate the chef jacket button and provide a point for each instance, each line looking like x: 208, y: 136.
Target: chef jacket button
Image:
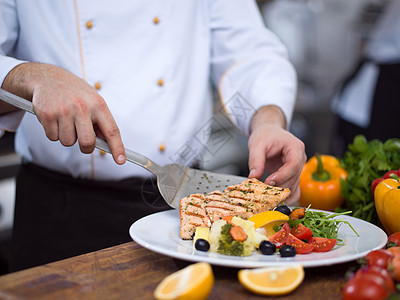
x: 89, y: 24
x: 102, y: 152
x: 160, y: 82
x: 162, y: 147
x: 97, y: 85
x: 156, y: 20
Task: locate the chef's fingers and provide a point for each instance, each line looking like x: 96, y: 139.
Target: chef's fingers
x: 49, y: 121
x: 110, y: 130
x: 86, y: 134
x: 256, y: 158
x: 288, y: 175
x: 66, y: 129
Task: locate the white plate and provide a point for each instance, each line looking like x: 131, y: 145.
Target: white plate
x: 159, y: 232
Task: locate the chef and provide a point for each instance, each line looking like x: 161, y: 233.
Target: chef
x: 139, y: 74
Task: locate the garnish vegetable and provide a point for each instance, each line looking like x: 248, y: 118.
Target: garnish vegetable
x: 322, y: 224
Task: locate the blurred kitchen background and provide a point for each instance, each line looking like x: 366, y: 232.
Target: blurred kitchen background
x: 324, y: 39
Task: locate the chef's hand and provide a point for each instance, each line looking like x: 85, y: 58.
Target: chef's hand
x: 272, y: 146
x: 68, y: 108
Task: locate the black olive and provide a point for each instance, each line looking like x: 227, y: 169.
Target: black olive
x: 287, y: 251
x: 267, y: 248
x: 202, y: 245
x: 283, y: 209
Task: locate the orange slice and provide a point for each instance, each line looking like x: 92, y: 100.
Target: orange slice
x: 272, y: 281
x: 193, y: 282
x: 267, y: 220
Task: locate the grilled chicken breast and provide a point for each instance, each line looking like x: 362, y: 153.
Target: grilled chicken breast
x: 243, y: 200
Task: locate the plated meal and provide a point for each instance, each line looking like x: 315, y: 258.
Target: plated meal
x: 250, y: 217
x: 262, y: 215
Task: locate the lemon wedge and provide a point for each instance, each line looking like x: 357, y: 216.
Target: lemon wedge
x: 265, y: 221
x: 272, y: 281
x: 193, y: 282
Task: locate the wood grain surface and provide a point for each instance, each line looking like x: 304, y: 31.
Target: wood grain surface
x: 129, y: 271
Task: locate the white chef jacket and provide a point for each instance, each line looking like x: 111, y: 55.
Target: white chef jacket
x: 354, y: 103
x: 154, y: 62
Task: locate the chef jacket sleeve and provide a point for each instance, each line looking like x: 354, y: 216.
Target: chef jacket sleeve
x: 8, y: 37
x: 249, y: 63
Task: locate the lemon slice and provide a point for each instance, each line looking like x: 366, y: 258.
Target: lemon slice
x: 193, y: 282
x: 267, y: 220
x: 272, y: 281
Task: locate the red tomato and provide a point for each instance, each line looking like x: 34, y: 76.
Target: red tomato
x: 395, y: 251
x: 395, y: 268
x: 394, y: 240
x: 300, y: 246
x: 379, y: 258
x: 301, y: 232
x: 280, y: 238
x: 322, y: 244
x: 364, y: 288
x: 379, y: 272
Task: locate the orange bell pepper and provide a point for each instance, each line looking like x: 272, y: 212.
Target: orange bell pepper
x: 320, y: 183
x: 387, y: 204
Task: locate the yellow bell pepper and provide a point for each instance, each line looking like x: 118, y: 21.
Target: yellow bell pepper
x: 387, y: 204
x: 320, y: 182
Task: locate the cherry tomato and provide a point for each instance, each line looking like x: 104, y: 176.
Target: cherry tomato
x: 322, y: 244
x: 379, y: 258
x: 379, y: 272
x: 394, y: 250
x: 301, y: 232
x: 393, y: 240
x: 395, y: 268
x: 300, y: 246
x: 280, y: 238
x: 364, y: 288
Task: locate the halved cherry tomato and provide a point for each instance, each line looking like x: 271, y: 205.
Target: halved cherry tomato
x: 379, y: 258
x: 379, y: 272
x: 300, y: 246
x: 301, y: 232
x: 280, y: 238
x: 322, y: 244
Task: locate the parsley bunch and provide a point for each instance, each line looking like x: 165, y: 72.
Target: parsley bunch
x: 364, y: 161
